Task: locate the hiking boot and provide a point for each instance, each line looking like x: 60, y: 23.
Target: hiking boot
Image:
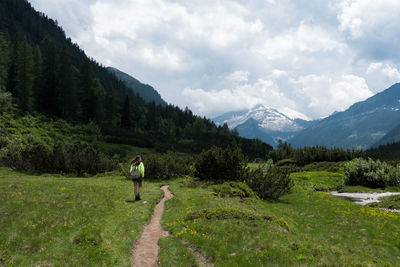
x: 138, y: 197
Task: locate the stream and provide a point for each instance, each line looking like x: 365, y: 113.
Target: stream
x: 365, y: 198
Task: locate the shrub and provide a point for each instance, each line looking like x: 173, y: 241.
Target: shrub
x: 368, y: 173
x: 269, y: 181
x: 395, y: 177
x: 165, y: 166
x: 220, y: 165
x: 30, y: 153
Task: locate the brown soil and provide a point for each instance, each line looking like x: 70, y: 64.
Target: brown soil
x: 145, y: 252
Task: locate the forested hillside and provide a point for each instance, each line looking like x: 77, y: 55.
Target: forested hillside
x: 48, y: 74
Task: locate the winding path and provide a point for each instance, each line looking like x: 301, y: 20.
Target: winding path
x: 145, y: 251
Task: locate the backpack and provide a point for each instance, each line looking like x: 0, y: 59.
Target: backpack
x: 135, y: 172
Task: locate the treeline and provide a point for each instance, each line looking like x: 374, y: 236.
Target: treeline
x: 385, y: 152
x: 46, y: 73
x: 285, y: 153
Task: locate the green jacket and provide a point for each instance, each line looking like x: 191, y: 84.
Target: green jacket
x: 140, y: 168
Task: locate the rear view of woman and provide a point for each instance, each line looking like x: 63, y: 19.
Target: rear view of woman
x: 137, y: 173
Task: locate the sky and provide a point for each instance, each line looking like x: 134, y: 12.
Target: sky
x: 307, y: 58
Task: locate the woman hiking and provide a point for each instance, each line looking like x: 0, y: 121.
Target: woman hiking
x: 137, y: 173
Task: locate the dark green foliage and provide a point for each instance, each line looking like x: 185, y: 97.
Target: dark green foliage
x: 385, y: 152
x: 166, y: 166
x: 307, y: 155
x: 233, y: 189
x: 269, y: 181
x: 126, y: 118
x: 370, y: 173
x: 220, y: 165
x: 5, y: 102
x: 48, y: 100
x: 32, y: 154
x: 24, y: 77
x: 4, y: 59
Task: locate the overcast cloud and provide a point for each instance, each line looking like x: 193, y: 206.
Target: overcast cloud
x: 310, y: 56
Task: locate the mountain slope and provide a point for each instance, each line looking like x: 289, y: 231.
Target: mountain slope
x: 361, y: 125
x: 392, y: 136
x: 145, y: 91
x: 250, y: 129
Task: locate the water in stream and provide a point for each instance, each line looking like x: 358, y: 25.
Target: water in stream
x: 365, y: 198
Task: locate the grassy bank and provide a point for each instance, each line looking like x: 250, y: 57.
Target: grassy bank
x: 305, y: 227
x: 56, y: 221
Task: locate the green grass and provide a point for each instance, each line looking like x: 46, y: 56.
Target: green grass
x: 303, y: 228
x: 51, y: 220
x: 392, y: 202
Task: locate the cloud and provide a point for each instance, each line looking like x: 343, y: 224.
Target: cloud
x: 242, y: 96
x: 239, y: 76
x: 382, y: 75
x: 371, y: 27
x: 326, y: 94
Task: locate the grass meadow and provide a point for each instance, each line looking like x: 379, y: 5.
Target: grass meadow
x: 304, y: 228
x: 51, y: 220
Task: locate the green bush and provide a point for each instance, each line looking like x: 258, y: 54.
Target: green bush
x: 166, y: 166
x: 269, y: 181
x: 369, y: 173
x: 30, y: 153
x: 220, y: 165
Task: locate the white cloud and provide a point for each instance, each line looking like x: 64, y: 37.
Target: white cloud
x: 366, y: 17
x: 239, y: 76
x: 242, y: 96
x: 382, y: 75
x: 326, y: 94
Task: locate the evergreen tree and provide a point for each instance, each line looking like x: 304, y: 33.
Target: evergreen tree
x: 110, y: 107
x: 86, y: 89
x: 126, y: 120
x: 37, y: 76
x: 48, y: 96
x: 24, y: 76
x: 67, y: 97
x: 4, y: 59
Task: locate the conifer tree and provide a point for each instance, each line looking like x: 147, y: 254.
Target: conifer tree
x: 86, y: 88
x: 48, y: 100
x: 37, y: 75
x: 126, y: 120
x: 4, y: 59
x: 24, y: 76
x: 66, y: 88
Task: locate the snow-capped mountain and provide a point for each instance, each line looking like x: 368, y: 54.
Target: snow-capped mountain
x: 265, y: 123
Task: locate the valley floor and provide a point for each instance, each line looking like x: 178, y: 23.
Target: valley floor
x: 51, y: 220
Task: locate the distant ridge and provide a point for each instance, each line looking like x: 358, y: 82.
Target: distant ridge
x: 145, y: 91
x: 361, y: 126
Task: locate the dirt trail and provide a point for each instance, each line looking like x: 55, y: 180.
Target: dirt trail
x: 145, y: 252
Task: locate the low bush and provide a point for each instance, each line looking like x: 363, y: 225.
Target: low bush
x: 221, y: 165
x: 166, y: 166
x: 30, y: 153
x: 370, y: 173
x: 269, y: 181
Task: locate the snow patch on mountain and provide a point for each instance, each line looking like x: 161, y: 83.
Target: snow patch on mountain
x: 268, y: 118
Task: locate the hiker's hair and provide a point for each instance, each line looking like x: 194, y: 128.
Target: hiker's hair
x: 138, y: 158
